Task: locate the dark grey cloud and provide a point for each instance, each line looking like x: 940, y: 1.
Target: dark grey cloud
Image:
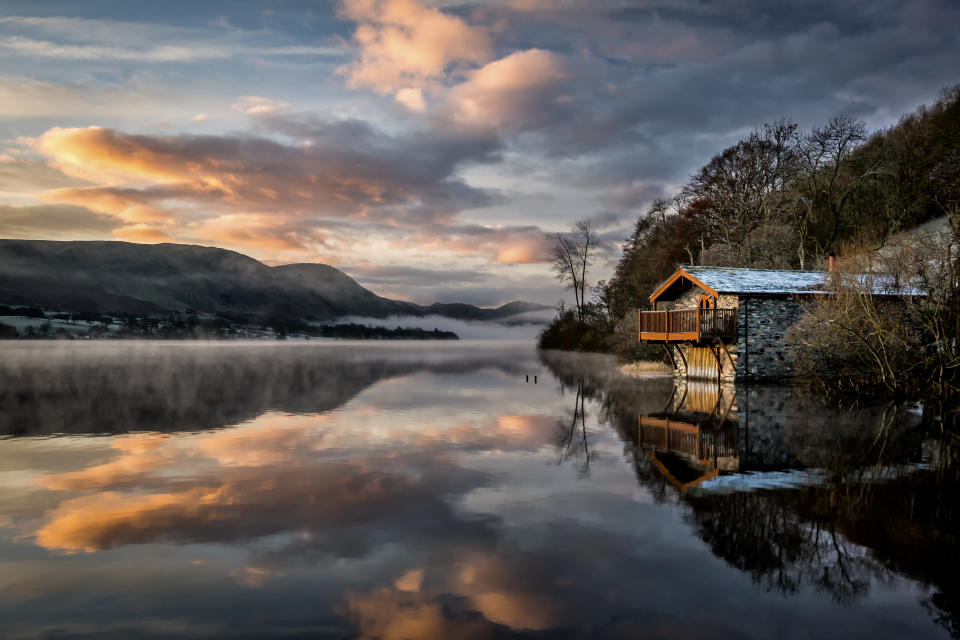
x: 654, y: 89
x: 375, y: 275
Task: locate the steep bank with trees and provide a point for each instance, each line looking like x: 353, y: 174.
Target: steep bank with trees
x: 787, y: 199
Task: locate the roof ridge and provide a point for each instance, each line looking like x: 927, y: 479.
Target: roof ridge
x: 710, y: 266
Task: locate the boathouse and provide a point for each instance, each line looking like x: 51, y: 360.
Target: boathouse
x: 729, y: 323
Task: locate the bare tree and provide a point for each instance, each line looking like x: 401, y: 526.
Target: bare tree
x: 572, y: 256
x: 735, y: 190
x: 830, y: 173
x: 892, y: 320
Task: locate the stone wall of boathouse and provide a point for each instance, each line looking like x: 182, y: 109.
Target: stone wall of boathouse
x: 762, y: 326
x: 761, y: 352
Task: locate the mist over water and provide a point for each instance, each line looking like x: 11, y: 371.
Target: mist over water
x: 522, y: 326
x: 411, y: 489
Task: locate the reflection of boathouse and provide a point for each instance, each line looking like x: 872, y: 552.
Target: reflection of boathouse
x: 705, y: 430
x: 695, y: 437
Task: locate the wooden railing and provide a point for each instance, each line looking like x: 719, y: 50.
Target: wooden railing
x: 683, y: 437
x: 688, y: 324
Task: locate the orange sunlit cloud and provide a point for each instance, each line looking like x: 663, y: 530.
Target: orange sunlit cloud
x: 505, y: 245
x: 504, y: 90
x: 405, y: 45
x: 219, y: 191
x: 141, y: 233
x: 107, y: 157
x: 126, y: 206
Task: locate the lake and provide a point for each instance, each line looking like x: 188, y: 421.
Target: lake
x: 455, y: 490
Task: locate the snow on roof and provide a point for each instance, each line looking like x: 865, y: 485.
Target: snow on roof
x: 758, y: 281
x: 745, y: 281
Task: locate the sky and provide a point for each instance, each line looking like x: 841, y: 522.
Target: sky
x: 427, y: 149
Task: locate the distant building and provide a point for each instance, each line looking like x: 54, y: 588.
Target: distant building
x: 729, y: 323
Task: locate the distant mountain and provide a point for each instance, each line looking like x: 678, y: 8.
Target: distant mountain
x: 156, y: 279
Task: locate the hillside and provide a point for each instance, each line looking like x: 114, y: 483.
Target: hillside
x: 781, y: 198
x: 121, y: 277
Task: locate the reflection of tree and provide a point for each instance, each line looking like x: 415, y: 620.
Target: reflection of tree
x: 760, y: 534
x: 868, y: 517
x: 572, y: 439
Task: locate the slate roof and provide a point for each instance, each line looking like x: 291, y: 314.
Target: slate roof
x: 758, y: 281
x: 777, y: 282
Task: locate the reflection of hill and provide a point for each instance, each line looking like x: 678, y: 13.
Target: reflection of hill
x: 106, y: 388
x: 870, y: 515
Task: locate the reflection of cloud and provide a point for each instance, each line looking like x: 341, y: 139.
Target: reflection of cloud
x: 471, y: 603
x: 255, y: 577
x: 410, y: 581
x: 108, y: 519
x: 388, y: 614
x: 516, y: 609
x: 140, y: 455
x: 271, y: 440
x: 269, y: 476
x: 234, y: 505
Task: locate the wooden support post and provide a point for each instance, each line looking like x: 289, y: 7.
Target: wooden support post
x: 719, y: 364
x: 733, y: 366
x: 682, y: 357
x: 669, y: 355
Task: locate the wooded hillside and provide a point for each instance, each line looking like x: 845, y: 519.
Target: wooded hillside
x: 780, y: 198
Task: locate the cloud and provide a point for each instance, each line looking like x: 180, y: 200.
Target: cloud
x: 374, y: 274
x: 412, y: 99
x: 142, y: 233
x: 509, y: 91
x: 258, y: 105
x: 127, y: 205
x: 330, y: 183
x: 597, y: 105
x: 253, y: 231
x: 53, y: 222
x: 85, y: 39
x: 506, y: 244
x: 406, y: 45
x: 22, y: 178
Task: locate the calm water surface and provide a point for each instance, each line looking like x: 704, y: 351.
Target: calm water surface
x: 428, y: 490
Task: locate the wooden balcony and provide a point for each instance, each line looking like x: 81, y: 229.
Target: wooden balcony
x: 688, y: 325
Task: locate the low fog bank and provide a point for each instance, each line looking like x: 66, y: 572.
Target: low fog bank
x: 520, y: 326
